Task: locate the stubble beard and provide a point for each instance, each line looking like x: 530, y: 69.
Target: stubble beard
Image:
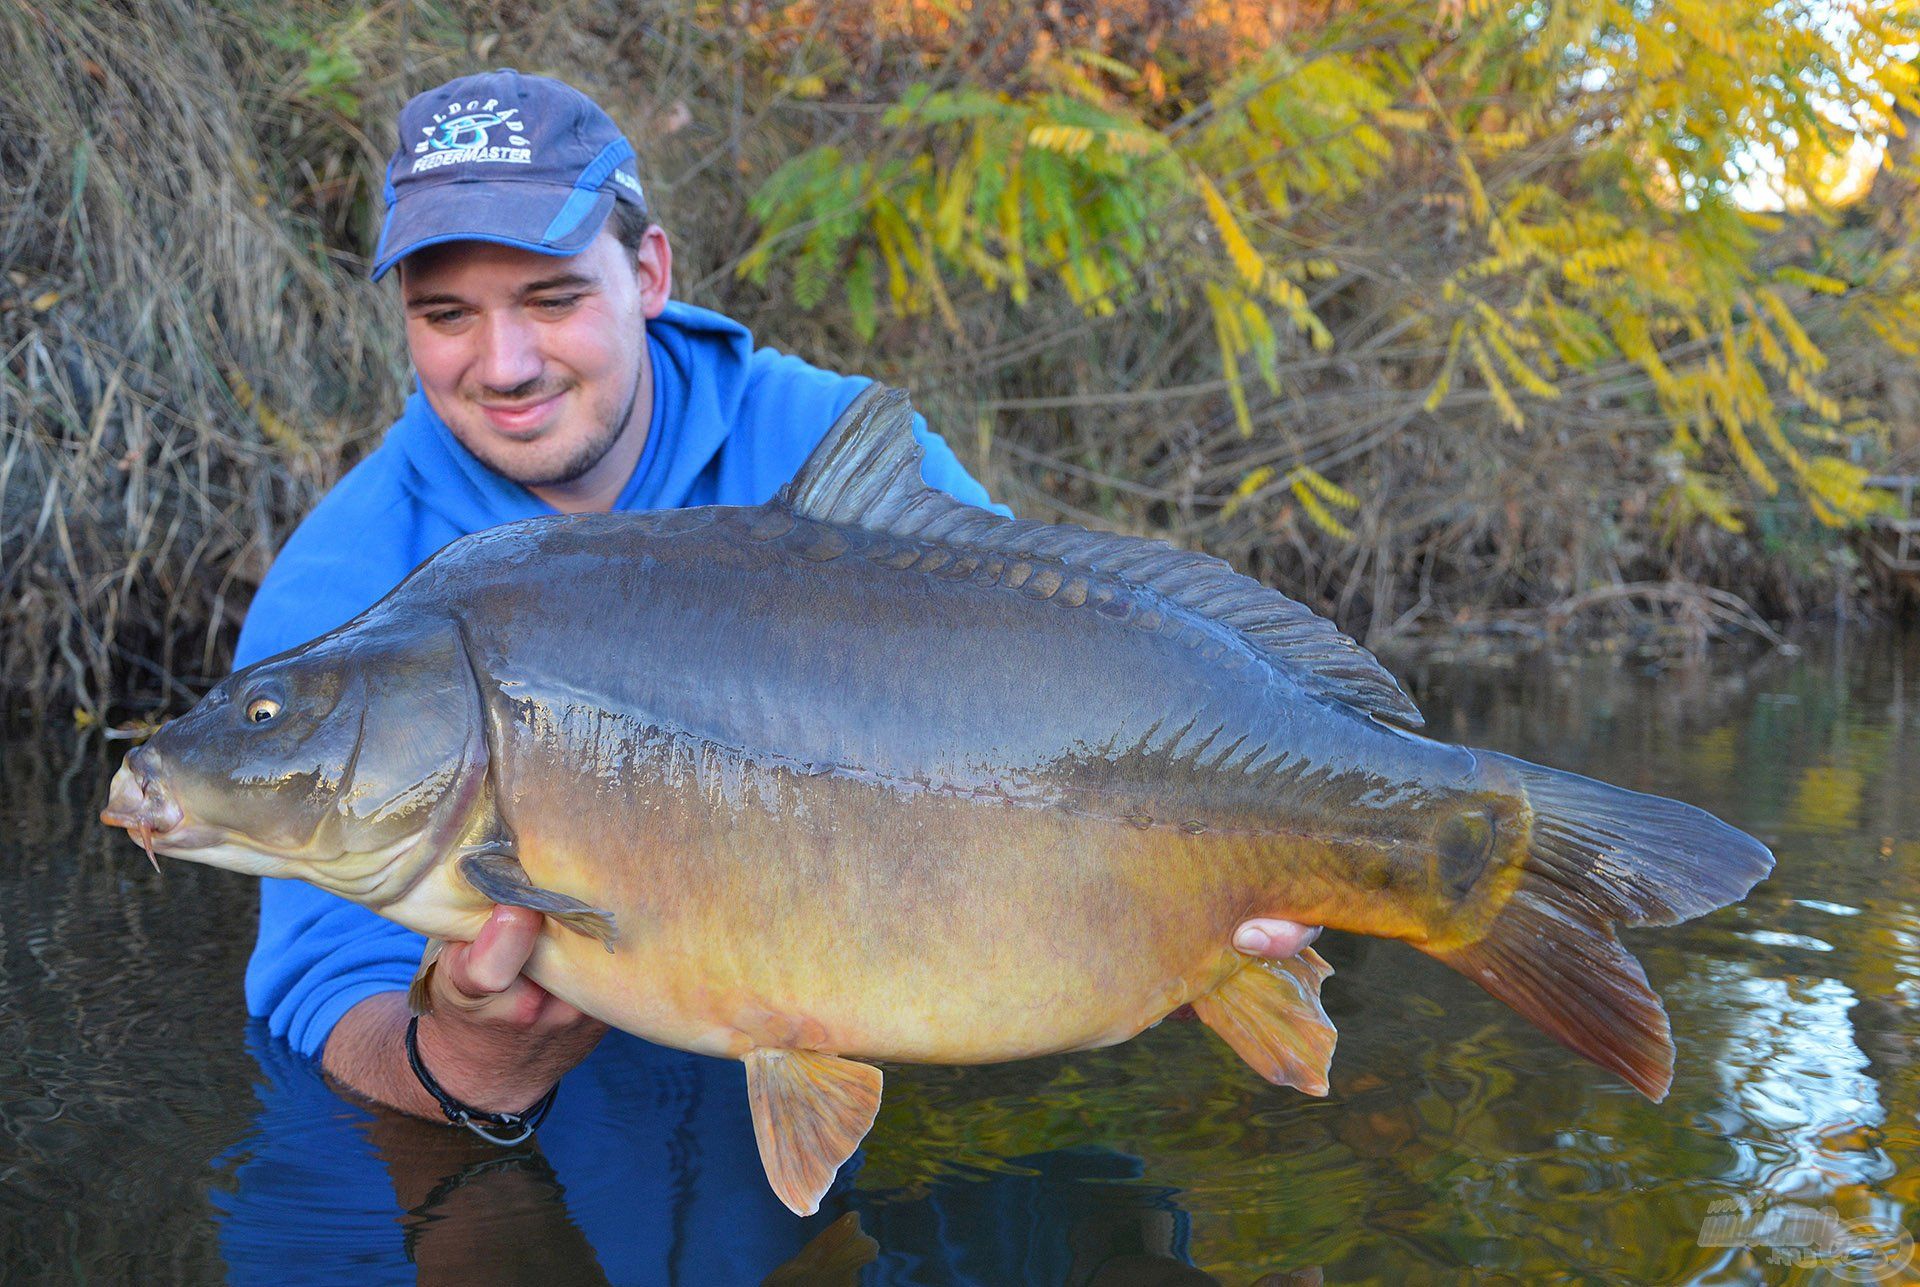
x: 590, y: 453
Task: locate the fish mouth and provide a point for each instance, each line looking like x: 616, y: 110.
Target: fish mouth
x: 144, y: 807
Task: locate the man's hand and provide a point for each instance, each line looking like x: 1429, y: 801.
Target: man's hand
x: 494, y: 1039
x: 1274, y: 939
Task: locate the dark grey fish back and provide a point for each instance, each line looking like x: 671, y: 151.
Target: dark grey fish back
x: 866, y: 473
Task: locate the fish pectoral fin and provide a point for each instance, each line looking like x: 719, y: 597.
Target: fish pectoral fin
x: 810, y: 1112
x: 501, y: 878
x: 1269, y: 1012
x: 420, y: 991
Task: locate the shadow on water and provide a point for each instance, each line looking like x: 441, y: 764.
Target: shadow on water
x: 149, y: 1132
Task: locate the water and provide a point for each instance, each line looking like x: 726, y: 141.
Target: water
x: 148, y: 1133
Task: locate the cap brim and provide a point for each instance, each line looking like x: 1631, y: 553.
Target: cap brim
x: 546, y: 218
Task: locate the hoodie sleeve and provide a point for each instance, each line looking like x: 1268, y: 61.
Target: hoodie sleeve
x: 318, y: 955
x: 792, y: 404
x: 940, y: 468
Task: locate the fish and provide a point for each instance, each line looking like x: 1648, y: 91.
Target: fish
x: 866, y: 775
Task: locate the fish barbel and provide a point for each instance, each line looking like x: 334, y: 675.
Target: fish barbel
x: 864, y: 773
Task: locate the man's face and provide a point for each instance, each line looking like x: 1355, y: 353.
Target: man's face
x: 535, y: 362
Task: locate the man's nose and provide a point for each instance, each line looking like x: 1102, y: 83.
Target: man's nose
x: 509, y: 356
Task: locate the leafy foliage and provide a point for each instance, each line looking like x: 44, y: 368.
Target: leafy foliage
x: 1591, y: 162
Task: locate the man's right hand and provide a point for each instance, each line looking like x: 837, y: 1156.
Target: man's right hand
x: 494, y: 1039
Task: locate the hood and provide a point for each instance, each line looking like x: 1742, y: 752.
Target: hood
x: 687, y: 427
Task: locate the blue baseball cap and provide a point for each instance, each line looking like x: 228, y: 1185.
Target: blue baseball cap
x: 519, y: 160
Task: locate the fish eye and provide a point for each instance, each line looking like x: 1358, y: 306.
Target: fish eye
x: 262, y: 709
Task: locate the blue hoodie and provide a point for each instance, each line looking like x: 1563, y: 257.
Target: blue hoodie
x: 730, y: 424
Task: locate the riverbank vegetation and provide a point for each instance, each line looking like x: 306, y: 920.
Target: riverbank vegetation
x: 1430, y: 314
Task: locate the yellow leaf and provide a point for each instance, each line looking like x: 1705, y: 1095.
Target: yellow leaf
x: 1496, y: 387
x: 1697, y: 496
x: 1325, y: 488
x: 1477, y: 202
x: 1227, y: 334
x: 41, y: 303
x: 1068, y: 140
x: 1530, y: 380
x: 1813, y: 281
x: 1769, y: 347
x: 1817, y: 402
x: 1246, y: 260
x: 1253, y: 482
x: 1132, y: 142
x: 1749, y: 458
x: 1322, y: 517
x: 1103, y: 62
x: 810, y: 85
x: 1444, y: 381
x: 1401, y: 119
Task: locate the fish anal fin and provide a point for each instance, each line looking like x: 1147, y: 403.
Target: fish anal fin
x: 1269, y: 1012
x: 810, y: 1112
x: 420, y: 991
x: 501, y: 878
x: 833, y: 1259
x: 866, y: 474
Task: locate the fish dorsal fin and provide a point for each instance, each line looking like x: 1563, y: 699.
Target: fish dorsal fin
x: 866, y: 473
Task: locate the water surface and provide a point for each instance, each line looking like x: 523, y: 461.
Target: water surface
x: 148, y: 1132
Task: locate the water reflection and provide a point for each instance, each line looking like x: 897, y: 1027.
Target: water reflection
x: 646, y: 1172
x: 147, y: 1132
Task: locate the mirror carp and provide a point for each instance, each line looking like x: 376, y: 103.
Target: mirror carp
x: 985, y: 789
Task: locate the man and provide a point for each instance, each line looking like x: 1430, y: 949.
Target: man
x: 555, y: 376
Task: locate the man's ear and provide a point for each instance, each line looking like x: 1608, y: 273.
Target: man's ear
x: 653, y: 264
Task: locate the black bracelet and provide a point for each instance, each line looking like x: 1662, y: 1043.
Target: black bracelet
x: 478, y: 1121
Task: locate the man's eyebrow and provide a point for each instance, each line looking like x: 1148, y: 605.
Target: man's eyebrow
x: 557, y: 283
x: 561, y: 281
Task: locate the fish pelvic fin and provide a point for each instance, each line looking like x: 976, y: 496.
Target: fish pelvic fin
x: 501, y: 878
x: 1270, y: 1013
x: 1598, y: 857
x: 810, y: 1112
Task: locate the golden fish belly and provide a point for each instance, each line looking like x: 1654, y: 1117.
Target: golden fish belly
x: 766, y: 906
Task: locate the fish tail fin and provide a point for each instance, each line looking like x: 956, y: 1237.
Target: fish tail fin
x: 1596, y: 857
